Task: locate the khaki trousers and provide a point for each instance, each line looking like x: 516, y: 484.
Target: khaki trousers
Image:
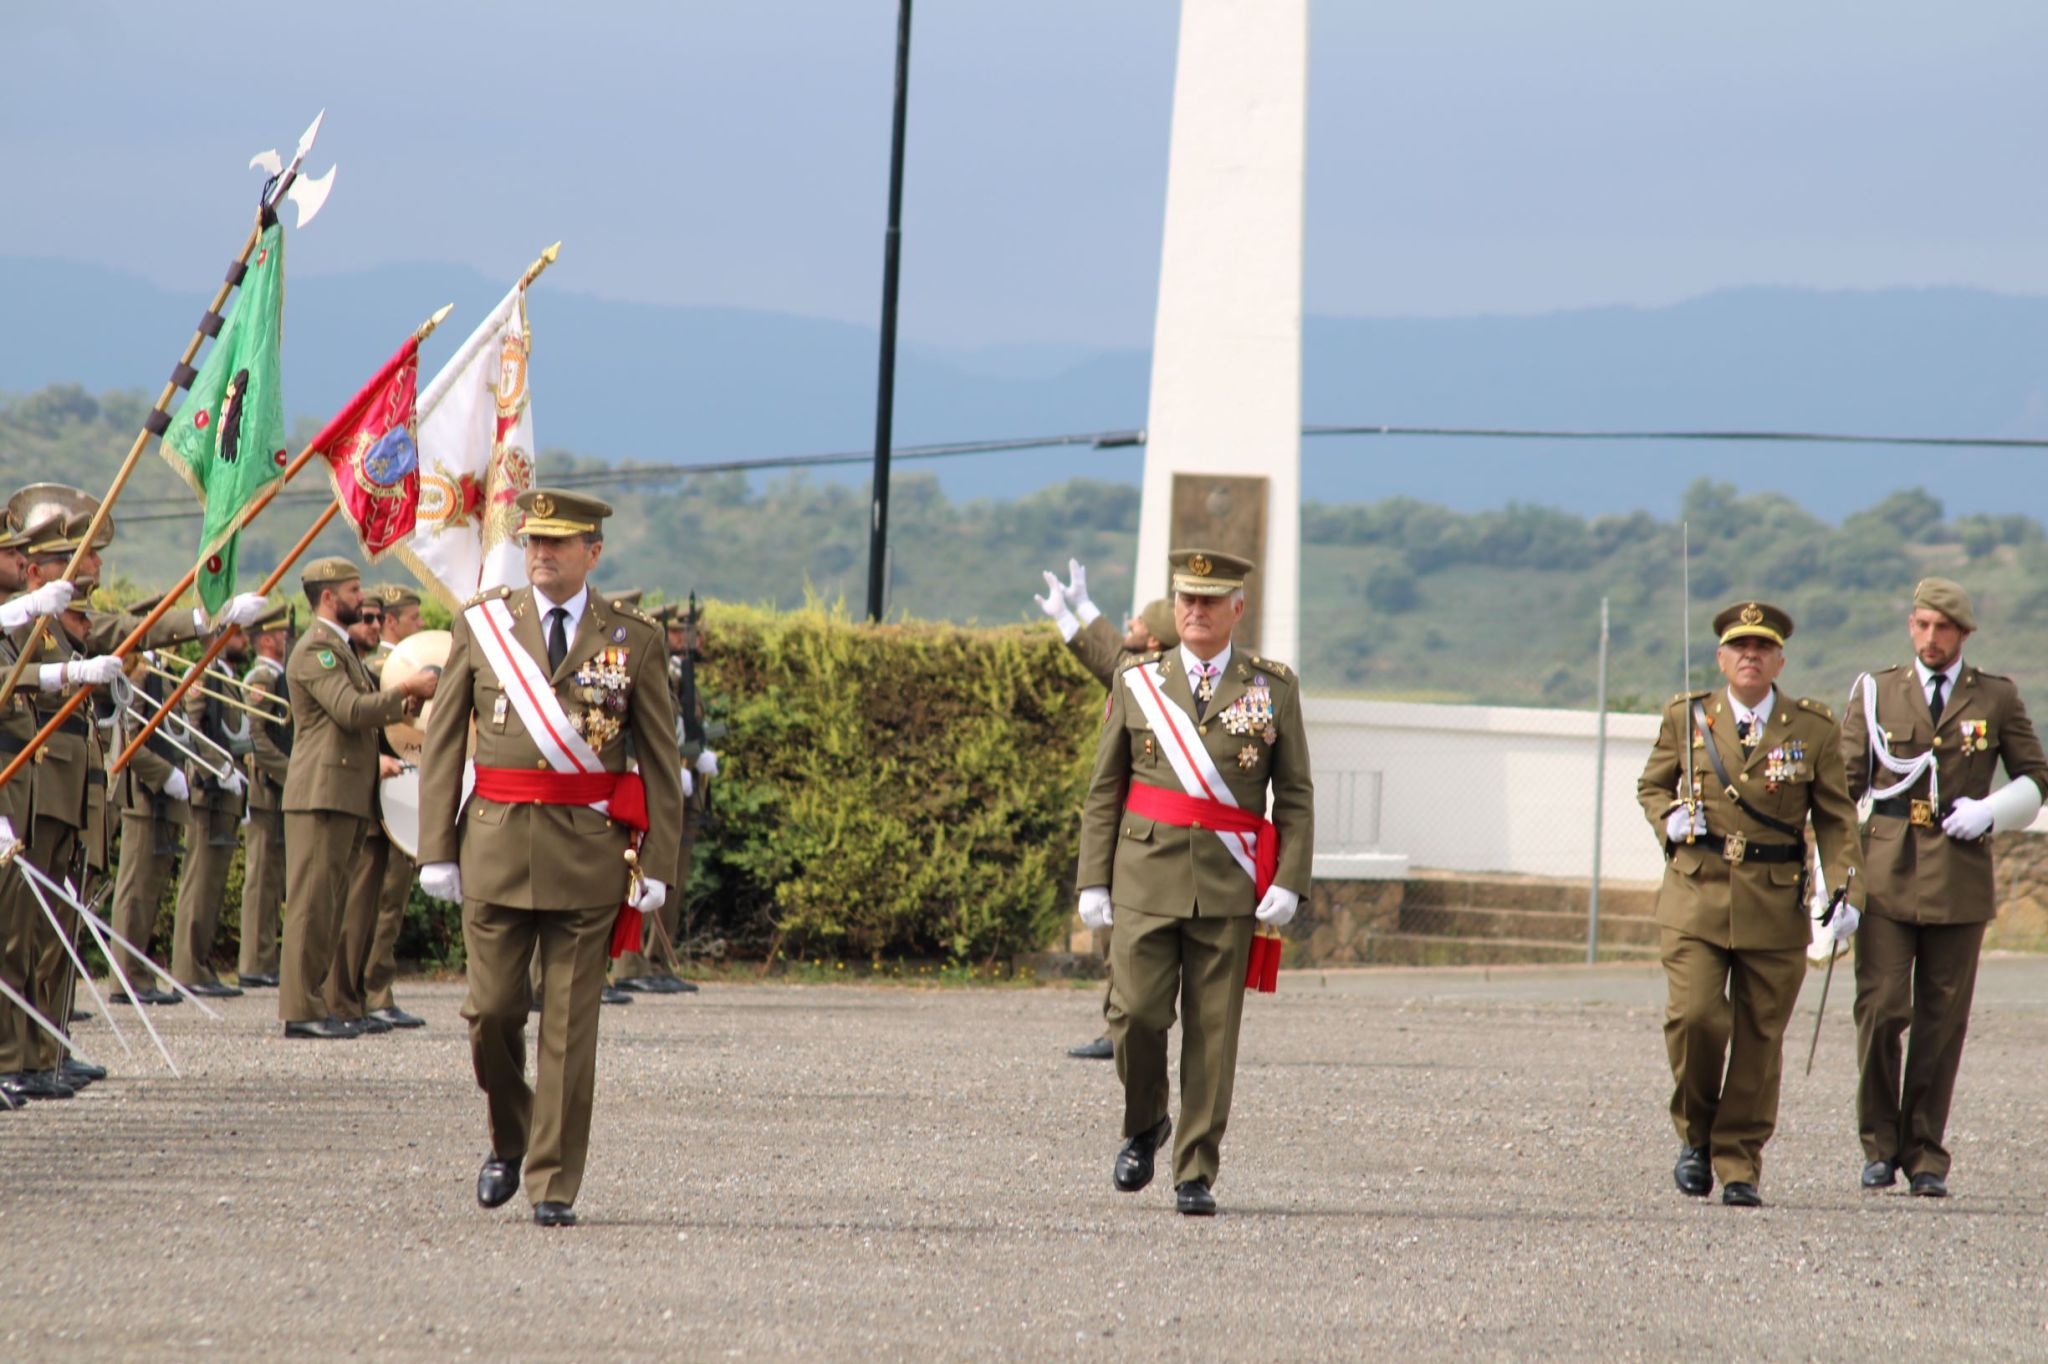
x: 353, y: 945
x: 649, y: 961
x: 262, y: 892
x: 32, y: 953
x: 321, y: 848
x: 381, y: 973
x: 1922, y: 977
x: 145, y: 870
x: 1200, y: 963
x: 202, y: 886
x: 1727, y: 1010
x: 547, y: 1123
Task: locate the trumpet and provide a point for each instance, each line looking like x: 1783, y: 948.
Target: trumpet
x: 266, y: 706
x: 180, y: 733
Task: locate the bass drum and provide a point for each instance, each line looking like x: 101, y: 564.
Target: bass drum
x: 400, y: 802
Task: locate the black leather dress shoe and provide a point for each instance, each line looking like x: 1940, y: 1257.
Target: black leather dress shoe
x: 497, y: 1182
x: 1741, y: 1195
x: 674, y: 985
x: 146, y: 997
x: 261, y: 980
x: 37, y: 1084
x: 331, y: 1028
x: 612, y: 994
x: 398, y: 1018
x: 1693, y: 1174
x: 81, y: 1015
x: 1098, y: 1050
x: 371, y: 1024
x: 637, y: 985
x: 1134, y: 1162
x: 1929, y: 1186
x: 1880, y: 1174
x: 553, y: 1215
x: 78, y: 1074
x: 1193, y: 1199
x: 215, y: 989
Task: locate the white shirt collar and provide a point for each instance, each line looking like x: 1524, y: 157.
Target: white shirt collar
x: 1189, y: 660
x: 1762, y: 713
x: 574, y: 606
x: 1951, y: 672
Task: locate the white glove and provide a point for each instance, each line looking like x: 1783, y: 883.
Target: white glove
x: 93, y: 672
x: 653, y: 895
x: 1278, y: 907
x: 243, y: 609
x: 1095, y: 906
x: 1085, y: 611
x: 176, y: 787
x: 1054, y: 604
x: 1971, y: 819
x: 234, y: 785
x: 1842, y: 927
x: 443, y: 881
x: 689, y: 784
x: 707, y: 764
x: 1675, y: 825
x: 7, y: 838
x: 46, y: 600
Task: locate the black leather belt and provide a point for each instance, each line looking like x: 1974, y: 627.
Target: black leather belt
x: 1919, y: 812
x: 1737, y: 849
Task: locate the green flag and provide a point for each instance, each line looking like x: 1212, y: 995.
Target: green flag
x: 227, y: 440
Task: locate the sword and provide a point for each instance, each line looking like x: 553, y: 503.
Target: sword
x: 1834, y: 950
x: 1691, y: 797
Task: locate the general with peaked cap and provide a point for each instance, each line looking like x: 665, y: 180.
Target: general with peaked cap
x: 330, y: 788
x: 1926, y: 739
x: 1178, y: 853
x: 567, y: 692
x: 1735, y: 777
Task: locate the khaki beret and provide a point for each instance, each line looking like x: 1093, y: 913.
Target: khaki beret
x: 395, y: 595
x: 1158, y: 618
x: 1939, y: 594
x: 329, y: 572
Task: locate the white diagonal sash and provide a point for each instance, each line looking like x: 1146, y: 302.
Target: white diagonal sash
x: 1192, y: 766
x: 532, y: 693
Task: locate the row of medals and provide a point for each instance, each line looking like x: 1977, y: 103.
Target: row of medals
x: 602, y: 685
x: 1251, y: 713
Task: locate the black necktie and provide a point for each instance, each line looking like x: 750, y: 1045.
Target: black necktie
x: 1742, y: 729
x: 1934, y: 701
x: 558, y: 637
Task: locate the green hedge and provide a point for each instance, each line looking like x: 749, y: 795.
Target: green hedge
x: 908, y: 789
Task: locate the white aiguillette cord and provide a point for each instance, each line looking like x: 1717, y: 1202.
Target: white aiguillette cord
x: 1908, y: 770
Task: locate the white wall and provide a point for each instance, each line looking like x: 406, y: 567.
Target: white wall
x: 1491, y: 788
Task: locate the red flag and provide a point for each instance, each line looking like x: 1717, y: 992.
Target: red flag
x: 372, y: 460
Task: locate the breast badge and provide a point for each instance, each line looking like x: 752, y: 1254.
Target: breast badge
x: 1248, y: 757
x: 1976, y: 735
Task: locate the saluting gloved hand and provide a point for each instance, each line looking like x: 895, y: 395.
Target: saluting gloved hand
x: 1971, y: 819
x: 443, y: 881
x: 1095, y: 906
x: 1842, y: 927
x: 176, y: 787
x: 1685, y: 819
x: 1084, y: 610
x: 1054, y: 604
x: 46, y: 600
x: 707, y: 764
x: 653, y: 895
x: 1278, y: 907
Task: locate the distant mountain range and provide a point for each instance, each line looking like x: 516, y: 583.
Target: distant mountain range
x: 621, y: 380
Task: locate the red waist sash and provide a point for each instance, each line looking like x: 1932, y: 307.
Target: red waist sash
x: 518, y: 786
x: 1184, y: 811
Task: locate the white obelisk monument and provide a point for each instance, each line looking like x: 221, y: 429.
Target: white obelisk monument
x: 1223, y: 436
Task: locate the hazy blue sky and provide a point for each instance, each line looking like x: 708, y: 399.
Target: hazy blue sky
x: 1465, y: 155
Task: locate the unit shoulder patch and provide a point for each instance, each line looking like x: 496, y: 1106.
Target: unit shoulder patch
x: 325, y: 657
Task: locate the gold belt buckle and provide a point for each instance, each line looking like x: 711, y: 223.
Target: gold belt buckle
x: 1923, y: 814
x: 1733, y: 847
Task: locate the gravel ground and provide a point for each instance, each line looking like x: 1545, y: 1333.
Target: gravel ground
x: 1424, y: 1163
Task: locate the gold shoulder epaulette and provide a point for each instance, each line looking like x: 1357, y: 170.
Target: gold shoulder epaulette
x: 1819, y: 708
x: 488, y: 594
x: 1136, y: 659
x: 635, y: 613
x: 1268, y: 665
x: 1691, y: 696
x: 1882, y: 671
x: 1995, y: 677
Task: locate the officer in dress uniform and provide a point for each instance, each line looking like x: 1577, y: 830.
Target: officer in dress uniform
x: 1761, y: 766
x: 1186, y: 870
x: 1942, y: 730
x: 213, y: 826
x: 330, y: 788
x: 537, y: 857
x: 1098, y: 648
x: 269, y: 760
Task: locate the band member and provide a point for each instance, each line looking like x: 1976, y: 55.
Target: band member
x: 329, y: 789
x: 563, y: 687
x: 214, y: 822
x: 1762, y: 766
x: 1174, y: 837
x: 269, y: 760
x: 1929, y: 737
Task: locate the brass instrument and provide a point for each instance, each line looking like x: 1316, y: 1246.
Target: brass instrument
x: 268, y: 707
x: 177, y: 731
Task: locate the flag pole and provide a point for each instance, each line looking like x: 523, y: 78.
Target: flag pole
x: 141, y: 631
x: 220, y: 641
